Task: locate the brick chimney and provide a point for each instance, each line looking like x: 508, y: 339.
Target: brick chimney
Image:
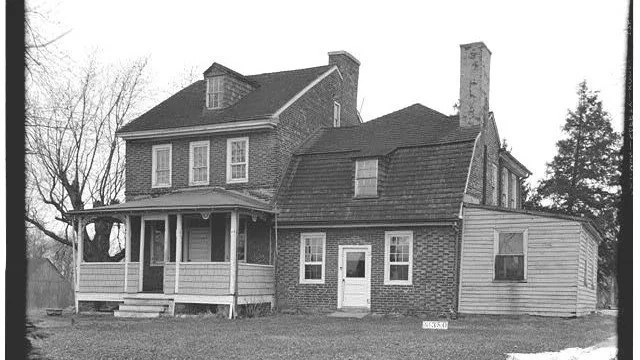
x: 474, y: 83
x: 349, y: 67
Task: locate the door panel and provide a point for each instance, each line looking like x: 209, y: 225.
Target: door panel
x: 356, y: 275
x: 153, y: 272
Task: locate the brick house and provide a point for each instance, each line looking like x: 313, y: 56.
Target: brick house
x: 269, y: 188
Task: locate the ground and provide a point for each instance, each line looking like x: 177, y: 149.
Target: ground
x: 312, y: 336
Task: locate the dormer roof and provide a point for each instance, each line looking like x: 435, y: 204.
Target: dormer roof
x: 219, y: 69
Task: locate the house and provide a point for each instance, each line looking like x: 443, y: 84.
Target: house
x: 46, y: 287
x: 269, y: 188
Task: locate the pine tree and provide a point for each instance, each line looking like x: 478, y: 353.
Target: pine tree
x: 583, y: 178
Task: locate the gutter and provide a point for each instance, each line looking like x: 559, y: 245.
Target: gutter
x: 261, y: 124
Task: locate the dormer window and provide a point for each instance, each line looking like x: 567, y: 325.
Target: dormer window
x: 214, y: 92
x: 336, y: 114
x: 366, y: 178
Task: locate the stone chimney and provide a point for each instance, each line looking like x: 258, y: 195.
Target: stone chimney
x: 349, y: 67
x: 474, y: 83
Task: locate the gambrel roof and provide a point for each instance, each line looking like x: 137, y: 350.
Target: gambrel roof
x: 186, y: 108
x: 423, y: 161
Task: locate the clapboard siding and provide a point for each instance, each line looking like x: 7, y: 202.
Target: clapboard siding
x: 133, y: 277
x: 102, y: 277
x: 255, y: 279
x: 169, y: 278
x: 202, y: 278
x: 587, y: 294
x: 552, y: 265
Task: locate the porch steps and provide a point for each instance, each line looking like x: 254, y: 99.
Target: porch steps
x: 143, y: 306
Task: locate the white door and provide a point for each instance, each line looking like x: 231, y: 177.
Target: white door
x: 355, y: 272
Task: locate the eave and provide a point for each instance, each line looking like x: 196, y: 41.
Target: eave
x: 227, y: 127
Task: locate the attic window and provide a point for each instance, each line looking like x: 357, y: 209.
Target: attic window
x: 214, y: 92
x: 366, y: 178
x: 336, y: 114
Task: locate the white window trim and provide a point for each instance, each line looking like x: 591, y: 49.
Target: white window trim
x: 208, y: 91
x: 336, y: 116
x: 494, y: 180
x: 513, y: 202
x: 192, y: 146
x: 496, y: 239
x: 154, y: 149
x: 246, y: 157
x: 504, y: 188
x: 303, y: 237
x: 355, y: 179
x: 387, y: 262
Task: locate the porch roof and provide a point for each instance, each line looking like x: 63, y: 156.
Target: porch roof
x: 192, y: 199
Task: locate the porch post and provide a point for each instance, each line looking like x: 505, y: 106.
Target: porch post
x: 75, y: 270
x: 167, y: 233
x: 141, y: 257
x: 80, y: 248
x: 233, y: 260
x: 127, y: 251
x: 178, y: 249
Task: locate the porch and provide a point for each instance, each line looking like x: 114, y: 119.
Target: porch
x: 201, y: 253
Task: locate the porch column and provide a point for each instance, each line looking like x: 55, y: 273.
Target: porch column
x: 233, y: 260
x: 167, y: 250
x: 178, y: 249
x: 127, y: 251
x: 80, y: 248
x: 141, y: 257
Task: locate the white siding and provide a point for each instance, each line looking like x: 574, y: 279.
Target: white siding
x: 589, y: 252
x: 132, y: 275
x: 170, y: 277
x: 255, y: 279
x: 201, y: 278
x: 552, y: 263
x: 102, y: 277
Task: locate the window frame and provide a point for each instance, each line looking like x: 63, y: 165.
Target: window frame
x: 154, y: 165
x: 336, y: 114
x: 210, y: 91
x: 230, y: 180
x: 496, y: 242
x: 387, y: 261
x: 303, y: 238
x: 355, y: 179
x: 513, y: 202
x: 504, y: 187
x: 192, y: 146
x: 494, y: 178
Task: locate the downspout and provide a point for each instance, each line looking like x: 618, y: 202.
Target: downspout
x: 275, y: 262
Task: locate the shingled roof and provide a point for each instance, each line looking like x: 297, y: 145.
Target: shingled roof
x: 187, y: 107
x: 424, y: 158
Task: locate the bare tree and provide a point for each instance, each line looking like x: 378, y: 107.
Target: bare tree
x: 73, y: 155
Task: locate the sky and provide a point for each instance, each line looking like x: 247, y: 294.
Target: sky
x: 409, y: 51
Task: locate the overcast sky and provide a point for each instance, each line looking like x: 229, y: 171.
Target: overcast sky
x: 409, y: 52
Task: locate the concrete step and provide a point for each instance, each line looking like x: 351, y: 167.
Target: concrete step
x: 135, y: 314
x: 148, y: 302
x: 142, y: 308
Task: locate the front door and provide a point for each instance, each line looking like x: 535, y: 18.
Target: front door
x: 355, y: 272
x: 153, y: 274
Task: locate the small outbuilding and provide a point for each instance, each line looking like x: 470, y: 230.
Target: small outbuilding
x: 517, y: 261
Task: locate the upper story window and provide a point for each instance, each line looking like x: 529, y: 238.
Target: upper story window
x: 398, y: 257
x: 312, y: 258
x: 214, y: 92
x: 238, y: 160
x: 510, y: 255
x: 513, y: 203
x: 366, y: 178
x: 505, y: 188
x: 494, y: 184
x: 161, y: 166
x: 336, y: 114
x: 199, y: 163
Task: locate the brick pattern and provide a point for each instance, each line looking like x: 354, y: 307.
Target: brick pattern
x: 488, y: 137
x: 348, y: 96
x: 436, y: 253
x: 234, y: 90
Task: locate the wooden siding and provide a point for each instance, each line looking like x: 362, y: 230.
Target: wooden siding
x: 132, y: 275
x: 552, y: 264
x: 587, y: 294
x: 102, y: 277
x: 254, y: 279
x: 200, y: 278
x: 170, y: 277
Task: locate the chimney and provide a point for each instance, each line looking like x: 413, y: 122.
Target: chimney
x: 474, y: 83
x: 349, y: 67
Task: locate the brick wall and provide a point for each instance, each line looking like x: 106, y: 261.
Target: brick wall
x: 435, y: 271
x: 488, y: 137
x: 348, y: 95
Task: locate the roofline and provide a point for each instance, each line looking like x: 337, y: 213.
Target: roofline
x: 515, y: 161
x: 260, y: 124
x: 466, y: 184
x: 586, y: 221
x: 333, y: 225
x: 164, y: 208
x: 306, y: 89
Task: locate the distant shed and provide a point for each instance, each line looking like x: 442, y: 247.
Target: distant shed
x: 46, y: 287
x: 526, y: 262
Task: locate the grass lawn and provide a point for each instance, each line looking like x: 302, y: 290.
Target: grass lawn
x: 312, y: 337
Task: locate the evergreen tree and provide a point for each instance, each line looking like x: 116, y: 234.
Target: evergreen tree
x: 583, y: 178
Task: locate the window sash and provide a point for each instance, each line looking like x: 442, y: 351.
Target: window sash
x: 366, y: 177
x: 398, y: 258
x: 214, y: 92
x: 161, y: 165
x: 510, y: 255
x: 238, y: 159
x: 336, y: 114
x: 312, y: 259
x: 508, y: 269
x: 199, y: 163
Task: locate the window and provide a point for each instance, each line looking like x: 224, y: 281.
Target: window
x: 494, y: 184
x: 398, y: 257
x: 241, y: 241
x: 161, y: 166
x: 214, y: 92
x: 336, y: 114
x: 505, y: 187
x: 510, y: 259
x: 156, y: 257
x: 199, y: 163
x: 312, y: 251
x: 366, y: 178
x: 238, y: 160
x: 513, y: 203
